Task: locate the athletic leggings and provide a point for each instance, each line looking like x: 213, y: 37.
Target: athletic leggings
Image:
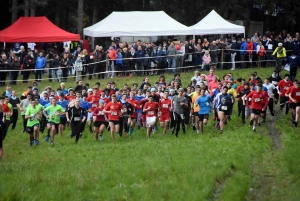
x: 139, y: 118
x: 284, y: 102
x: 14, y: 118
x: 83, y: 126
x: 178, y: 120
x: 76, y: 128
x: 43, y: 123
x: 123, y: 124
x: 243, y: 110
x: 24, y: 122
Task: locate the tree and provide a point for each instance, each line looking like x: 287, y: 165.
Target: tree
x: 14, y: 11
x: 80, y: 17
x: 26, y: 8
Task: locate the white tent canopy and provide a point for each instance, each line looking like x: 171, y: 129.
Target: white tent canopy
x: 213, y: 23
x: 137, y: 23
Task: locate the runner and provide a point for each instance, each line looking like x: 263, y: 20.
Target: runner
x: 283, y: 87
x: 224, y: 104
x: 87, y: 107
x: 195, y: 108
x: 54, y: 117
x: 136, y: 106
x: 76, y: 116
x: 44, y: 101
x: 180, y: 103
x: 15, y: 102
x: 63, y: 120
x: 8, y: 112
x: 125, y: 119
x: 165, y: 107
x: 94, y: 101
x: 205, y: 104
x: 113, y: 109
x: 100, y: 120
x: 294, y: 95
x: 242, y: 101
x: 258, y: 105
x: 150, y: 108
x: 271, y: 89
x: 23, y: 105
x: 33, y: 116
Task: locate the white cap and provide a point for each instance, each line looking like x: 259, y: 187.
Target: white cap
x: 279, y: 44
x: 89, y: 90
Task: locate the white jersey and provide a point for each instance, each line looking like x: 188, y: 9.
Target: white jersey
x: 31, y: 45
x: 270, y: 87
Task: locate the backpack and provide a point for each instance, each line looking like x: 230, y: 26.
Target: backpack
x: 261, y: 51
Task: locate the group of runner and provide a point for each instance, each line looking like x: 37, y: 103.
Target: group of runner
x: 118, y: 110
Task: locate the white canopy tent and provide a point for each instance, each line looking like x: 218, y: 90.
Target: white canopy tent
x: 213, y: 23
x: 137, y: 23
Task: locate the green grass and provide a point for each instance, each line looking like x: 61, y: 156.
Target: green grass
x: 192, y: 167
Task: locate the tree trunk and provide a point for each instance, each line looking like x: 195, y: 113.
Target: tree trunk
x: 26, y: 8
x: 80, y: 17
x: 95, y: 15
x: 32, y: 8
x: 14, y: 11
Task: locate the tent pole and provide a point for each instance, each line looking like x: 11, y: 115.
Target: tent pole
x: 93, y: 43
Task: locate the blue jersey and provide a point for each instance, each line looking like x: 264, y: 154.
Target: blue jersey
x: 63, y: 104
x: 44, y: 102
x: 47, y: 112
x: 204, y: 103
x: 86, y: 106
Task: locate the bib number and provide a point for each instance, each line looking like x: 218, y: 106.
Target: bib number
x: 165, y: 106
x: 224, y: 108
x: 150, y: 113
x: 114, y: 113
x: 94, y: 105
x: 297, y: 93
x: 257, y: 100
x: 77, y: 118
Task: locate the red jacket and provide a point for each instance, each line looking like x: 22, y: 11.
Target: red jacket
x: 112, y: 54
x: 249, y: 47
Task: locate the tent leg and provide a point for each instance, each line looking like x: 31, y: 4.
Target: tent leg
x: 93, y: 43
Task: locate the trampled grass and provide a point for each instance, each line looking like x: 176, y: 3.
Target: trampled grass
x: 192, y: 167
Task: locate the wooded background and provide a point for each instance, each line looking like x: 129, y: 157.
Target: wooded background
x: 74, y: 15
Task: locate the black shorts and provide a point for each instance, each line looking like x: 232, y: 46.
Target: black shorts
x: 226, y: 112
x: 294, y: 105
x: 256, y: 111
x: 97, y: 124
x: 114, y: 122
x: 54, y: 124
x: 195, y: 114
x: 63, y: 121
x: 30, y: 129
x: 201, y: 117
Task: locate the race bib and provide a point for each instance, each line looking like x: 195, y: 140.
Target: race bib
x: 257, y: 100
x: 150, y: 113
x: 114, y: 113
x: 207, y: 103
x: 125, y: 109
x: 94, y: 105
x: 56, y: 113
x: 165, y: 106
x: 101, y: 113
x: 77, y: 118
x: 250, y: 99
x: 286, y: 88
x: 297, y: 93
x: 224, y: 108
x: 33, y: 118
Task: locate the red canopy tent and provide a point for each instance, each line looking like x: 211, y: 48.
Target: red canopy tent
x: 35, y: 29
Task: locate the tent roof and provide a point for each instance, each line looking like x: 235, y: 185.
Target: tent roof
x: 35, y: 29
x: 213, y: 23
x: 137, y: 23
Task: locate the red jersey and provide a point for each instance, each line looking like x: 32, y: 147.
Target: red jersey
x: 284, y: 86
x: 288, y: 92
x: 165, y: 106
x: 135, y: 104
x: 94, y: 101
x: 100, y: 117
x: 106, y: 100
x: 115, y: 110
x: 259, y: 100
x: 295, y: 93
x: 255, y: 82
x: 70, y: 98
x: 265, y: 97
x: 153, y: 106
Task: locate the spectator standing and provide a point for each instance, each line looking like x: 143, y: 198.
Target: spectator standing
x: 214, y: 52
x: 4, y: 66
x: 65, y: 64
x: 28, y: 65
x: 39, y: 67
x: 206, y: 60
x: 172, y: 55
x: 234, y: 47
x: 139, y: 60
x: 15, y: 67
x: 243, y: 53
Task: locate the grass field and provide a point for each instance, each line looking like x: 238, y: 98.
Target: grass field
x: 237, y: 165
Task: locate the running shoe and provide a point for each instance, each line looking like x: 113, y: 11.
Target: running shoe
x: 197, y: 131
x: 254, y: 130
x: 130, y: 131
x: 221, y: 131
x: 47, y: 138
x: 139, y: 127
x: 36, y: 142
x: 71, y: 136
x: 52, y: 143
x: 172, y: 131
x: 217, y: 125
x: 101, y: 138
x: 251, y: 123
x: 31, y: 143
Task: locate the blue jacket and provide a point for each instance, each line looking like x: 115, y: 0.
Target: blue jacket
x: 293, y: 60
x: 296, y: 46
x: 40, y: 62
x: 162, y: 54
x: 139, y: 98
x: 119, y: 60
x: 139, y: 54
x: 155, y: 55
x: 243, y: 48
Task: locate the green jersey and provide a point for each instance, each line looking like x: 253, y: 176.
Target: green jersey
x: 10, y: 110
x: 54, y: 115
x: 34, y: 113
